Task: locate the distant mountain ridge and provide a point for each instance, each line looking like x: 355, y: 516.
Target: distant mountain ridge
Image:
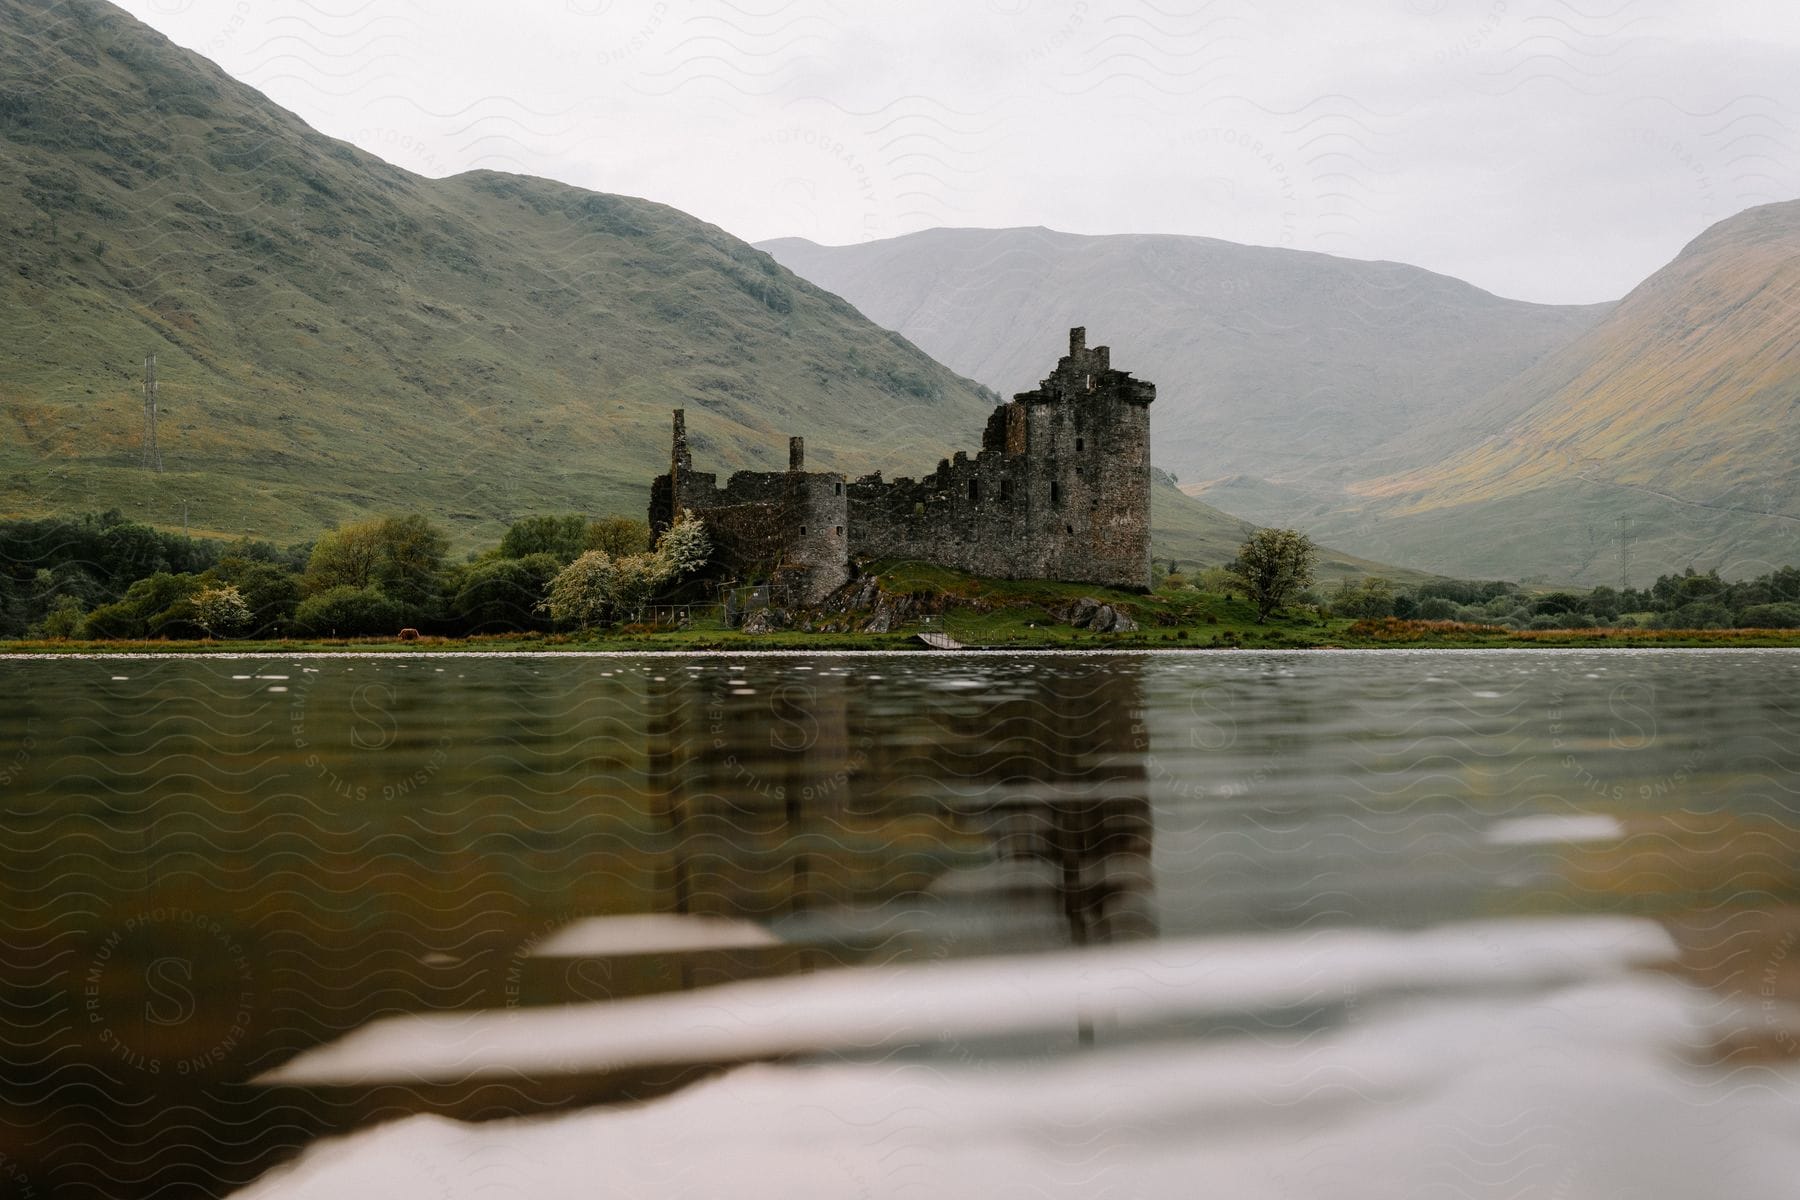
x: 1674, y: 424
x: 1286, y: 365
x: 1406, y: 416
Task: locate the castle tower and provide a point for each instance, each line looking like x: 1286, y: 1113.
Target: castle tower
x: 1060, y: 488
x: 1085, y: 452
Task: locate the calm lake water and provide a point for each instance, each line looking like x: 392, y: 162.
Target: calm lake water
x: 1244, y: 924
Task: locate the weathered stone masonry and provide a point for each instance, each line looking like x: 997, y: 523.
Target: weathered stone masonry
x: 1060, y: 489
x: 787, y: 526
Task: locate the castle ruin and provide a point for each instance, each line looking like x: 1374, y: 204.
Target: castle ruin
x: 1060, y: 489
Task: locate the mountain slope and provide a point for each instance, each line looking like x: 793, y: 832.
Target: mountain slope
x: 1282, y: 365
x: 1192, y: 533
x: 1680, y: 412
x: 336, y: 336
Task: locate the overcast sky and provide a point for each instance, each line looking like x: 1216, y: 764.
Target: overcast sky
x: 1554, y: 150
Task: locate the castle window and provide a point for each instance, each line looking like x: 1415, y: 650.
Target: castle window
x: 1055, y: 492
x: 1090, y: 383
x: 838, y: 529
x: 1078, y: 470
x: 837, y: 489
x: 919, y: 509
x: 974, y: 489
x: 1068, y: 529
x: 803, y: 531
x: 1006, y: 489
x: 1079, y: 444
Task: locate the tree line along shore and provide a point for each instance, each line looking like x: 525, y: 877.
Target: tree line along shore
x: 100, y: 581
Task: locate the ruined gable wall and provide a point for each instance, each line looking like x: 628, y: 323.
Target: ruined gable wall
x: 1059, y: 490
x: 970, y: 514
x: 791, y: 524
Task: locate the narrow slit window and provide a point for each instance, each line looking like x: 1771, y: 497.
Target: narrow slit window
x: 837, y: 489
x: 1006, y: 489
x: 1055, y: 492
x: 803, y: 531
x: 974, y: 489
x: 838, y: 529
x: 1080, y: 444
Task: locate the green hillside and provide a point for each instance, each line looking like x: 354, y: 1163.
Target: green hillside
x: 336, y: 336
x: 1671, y: 424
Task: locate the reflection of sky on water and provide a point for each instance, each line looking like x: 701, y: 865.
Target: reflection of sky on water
x: 1264, y: 983
x: 877, y: 870
x: 1505, y: 1059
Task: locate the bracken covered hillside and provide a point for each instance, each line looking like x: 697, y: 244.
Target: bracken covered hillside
x: 1680, y: 413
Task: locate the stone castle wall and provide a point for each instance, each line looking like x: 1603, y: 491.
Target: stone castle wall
x: 1060, y: 489
x: 790, y: 527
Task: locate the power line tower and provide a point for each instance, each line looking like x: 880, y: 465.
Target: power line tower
x: 1625, y: 539
x: 152, y: 455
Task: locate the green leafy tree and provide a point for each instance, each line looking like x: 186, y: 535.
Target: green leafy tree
x: 1272, y: 566
x: 1781, y: 615
x: 412, y: 557
x: 503, y: 593
x: 1370, y: 597
x: 69, y: 579
x: 1701, y: 614
x: 64, y: 619
x: 349, y: 612
x: 221, y: 611
x: 1604, y: 602
x: 684, y: 548
x: 562, y: 537
x: 158, y: 605
x: 1558, y: 603
x: 402, y: 556
x: 598, y: 588
x: 347, y: 556
x: 618, y: 536
x: 584, y: 593
x: 635, y: 579
x: 1436, y: 608
x: 1220, y: 581
x: 270, y: 591
x: 1698, y: 587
